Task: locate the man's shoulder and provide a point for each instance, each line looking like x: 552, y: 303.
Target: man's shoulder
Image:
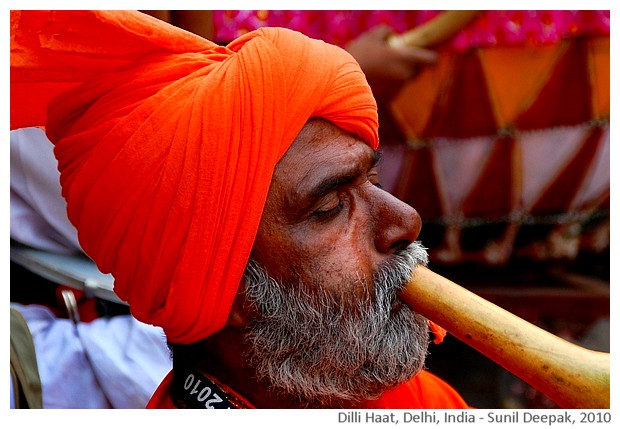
x: 425, y: 390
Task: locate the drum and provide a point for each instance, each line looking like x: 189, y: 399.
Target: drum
x: 507, y: 151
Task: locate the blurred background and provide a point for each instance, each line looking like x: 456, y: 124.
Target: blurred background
x: 500, y: 138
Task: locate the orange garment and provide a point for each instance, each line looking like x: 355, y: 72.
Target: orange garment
x: 424, y: 391
x: 166, y: 144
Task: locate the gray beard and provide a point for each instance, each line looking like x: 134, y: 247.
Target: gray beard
x: 327, y: 348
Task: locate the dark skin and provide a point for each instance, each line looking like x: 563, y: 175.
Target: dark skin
x: 325, y: 216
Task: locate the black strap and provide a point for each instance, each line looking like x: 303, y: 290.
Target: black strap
x: 193, y: 389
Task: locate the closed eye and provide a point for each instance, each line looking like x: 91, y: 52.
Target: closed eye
x: 329, y: 211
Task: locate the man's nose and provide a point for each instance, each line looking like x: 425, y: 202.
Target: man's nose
x: 397, y: 223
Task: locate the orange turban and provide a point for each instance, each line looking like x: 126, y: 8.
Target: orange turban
x: 166, y: 144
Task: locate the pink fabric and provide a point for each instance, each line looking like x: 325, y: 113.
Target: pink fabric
x: 493, y: 27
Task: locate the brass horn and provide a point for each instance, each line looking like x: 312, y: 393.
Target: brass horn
x: 569, y: 375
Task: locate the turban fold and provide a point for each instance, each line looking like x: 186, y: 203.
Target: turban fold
x: 166, y: 144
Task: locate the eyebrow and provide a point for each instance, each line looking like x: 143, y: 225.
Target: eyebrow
x: 341, y: 179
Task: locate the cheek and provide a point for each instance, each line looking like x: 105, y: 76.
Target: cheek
x: 310, y: 258
x: 329, y: 255
x: 297, y: 254
x: 335, y: 262
x: 278, y: 254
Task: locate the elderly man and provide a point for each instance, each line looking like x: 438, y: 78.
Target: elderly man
x: 233, y: 193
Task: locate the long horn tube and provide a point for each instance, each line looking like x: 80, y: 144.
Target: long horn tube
x: 434, y: 31
x: 569, y: 375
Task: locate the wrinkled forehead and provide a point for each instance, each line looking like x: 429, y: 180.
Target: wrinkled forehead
x: 322, y: 143
x: 321, y: 153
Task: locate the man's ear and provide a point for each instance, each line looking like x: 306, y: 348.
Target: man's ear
x: 239, y: 316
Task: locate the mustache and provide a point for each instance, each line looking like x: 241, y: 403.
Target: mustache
x: 395, y: 273
x: 385, y: 283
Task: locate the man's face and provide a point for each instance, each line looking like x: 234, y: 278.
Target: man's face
x: 325, y: 214
x: 332, y: 252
